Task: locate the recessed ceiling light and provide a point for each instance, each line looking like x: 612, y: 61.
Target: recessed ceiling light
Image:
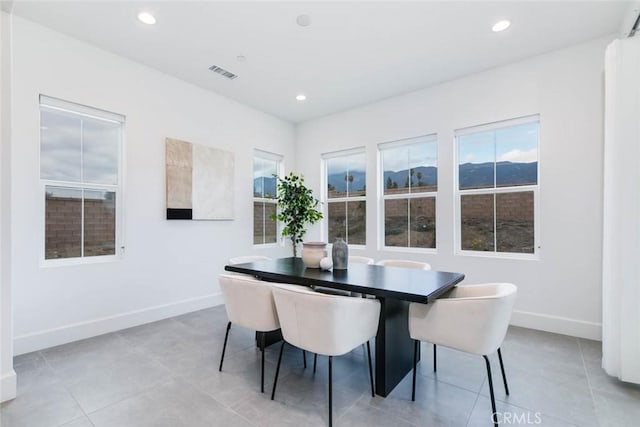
x: 241, y: 58
x: 303, y: 20
x: 501, y: 26
x: 301, y: 97
x: 146, y: 18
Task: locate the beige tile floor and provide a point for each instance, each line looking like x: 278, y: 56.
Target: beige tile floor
x: 166, y: 374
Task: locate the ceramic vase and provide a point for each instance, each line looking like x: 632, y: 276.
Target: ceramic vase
x: 340, y: 255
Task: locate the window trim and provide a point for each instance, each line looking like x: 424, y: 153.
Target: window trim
x: 381, y: 197
x: 324, y: 193
x: 279, y: 159
x: 457, y: 193
x: 52, y: 103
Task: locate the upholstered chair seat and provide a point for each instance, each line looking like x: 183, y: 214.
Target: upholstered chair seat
x: 329, y: 325
x: 471, y: 318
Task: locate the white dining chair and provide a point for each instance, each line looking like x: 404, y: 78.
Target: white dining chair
x: 470, y: 318
x: 249, y: 303
x: 328, y: 325
x: 355, y: 259
x: 405, y: 263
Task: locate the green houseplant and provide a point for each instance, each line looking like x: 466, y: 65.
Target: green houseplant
x: 296, y: 208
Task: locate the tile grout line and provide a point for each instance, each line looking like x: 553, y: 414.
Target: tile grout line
x: 443, y: 382
x: 350, y: 407
x: 145, y: 390
x: 586, y: 373
x: 64, y: 384
x: 519, y: 406
x: 233, y: 411
x: 128, y: 397
x: 475, y: 403
x: 435, y: 378
x: 229, y: 406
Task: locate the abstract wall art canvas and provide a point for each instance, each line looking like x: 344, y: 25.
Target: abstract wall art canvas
x: 199, y: 181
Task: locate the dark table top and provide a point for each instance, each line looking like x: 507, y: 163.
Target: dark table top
x: 388, y: 282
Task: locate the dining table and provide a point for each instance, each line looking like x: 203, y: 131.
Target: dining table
x: 394, y: 287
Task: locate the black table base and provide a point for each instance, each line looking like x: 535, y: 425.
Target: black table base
x: 394, y: 346
x: 271, y: 337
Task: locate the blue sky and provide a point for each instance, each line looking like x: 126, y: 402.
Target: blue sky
x: 354, y: 162
x: 395, y: 159
x: 410, y: 156
x: 514, y: 144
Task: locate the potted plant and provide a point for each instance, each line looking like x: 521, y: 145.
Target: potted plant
x: 296, y: 208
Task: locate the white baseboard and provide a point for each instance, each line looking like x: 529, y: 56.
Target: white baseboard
x: 74, y: 332
x: 557, y: 324
x: 8, y: 386
x: 91, y: 328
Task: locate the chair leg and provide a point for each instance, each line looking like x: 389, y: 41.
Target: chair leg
x: 416, y: 343
x: 224, y: 346
x: 330, y: 392
x: 493, y: 399
x: 275, y: 381
x: 434, y: 357
x: 304, y: 359
x: 262, y: 345
x: 315, y: 361
x: 373, y: 391
x: 504, y: 377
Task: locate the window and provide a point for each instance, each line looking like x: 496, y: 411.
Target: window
x: 497, y: 187
x: 346, y: 207
x: 409, y: 173
x: 266, y: 167
x: 80, y: 171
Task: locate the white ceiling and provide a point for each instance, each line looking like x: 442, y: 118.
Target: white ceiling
x: 353, y: 53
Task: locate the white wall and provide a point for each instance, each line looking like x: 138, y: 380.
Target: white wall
x: 7, y: 374
x: 170, y: 267
x: 561, y: 292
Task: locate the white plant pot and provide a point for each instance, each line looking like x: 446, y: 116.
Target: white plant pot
x: 312, y: 253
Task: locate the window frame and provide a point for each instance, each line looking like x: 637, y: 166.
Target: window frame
x: 325, y: 193
x: 458, y: 193
x: 279, y: 159
x: 51, y: 103
x: 426, y: 138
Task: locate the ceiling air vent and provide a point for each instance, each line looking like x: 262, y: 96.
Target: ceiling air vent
x: 223, y: 72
